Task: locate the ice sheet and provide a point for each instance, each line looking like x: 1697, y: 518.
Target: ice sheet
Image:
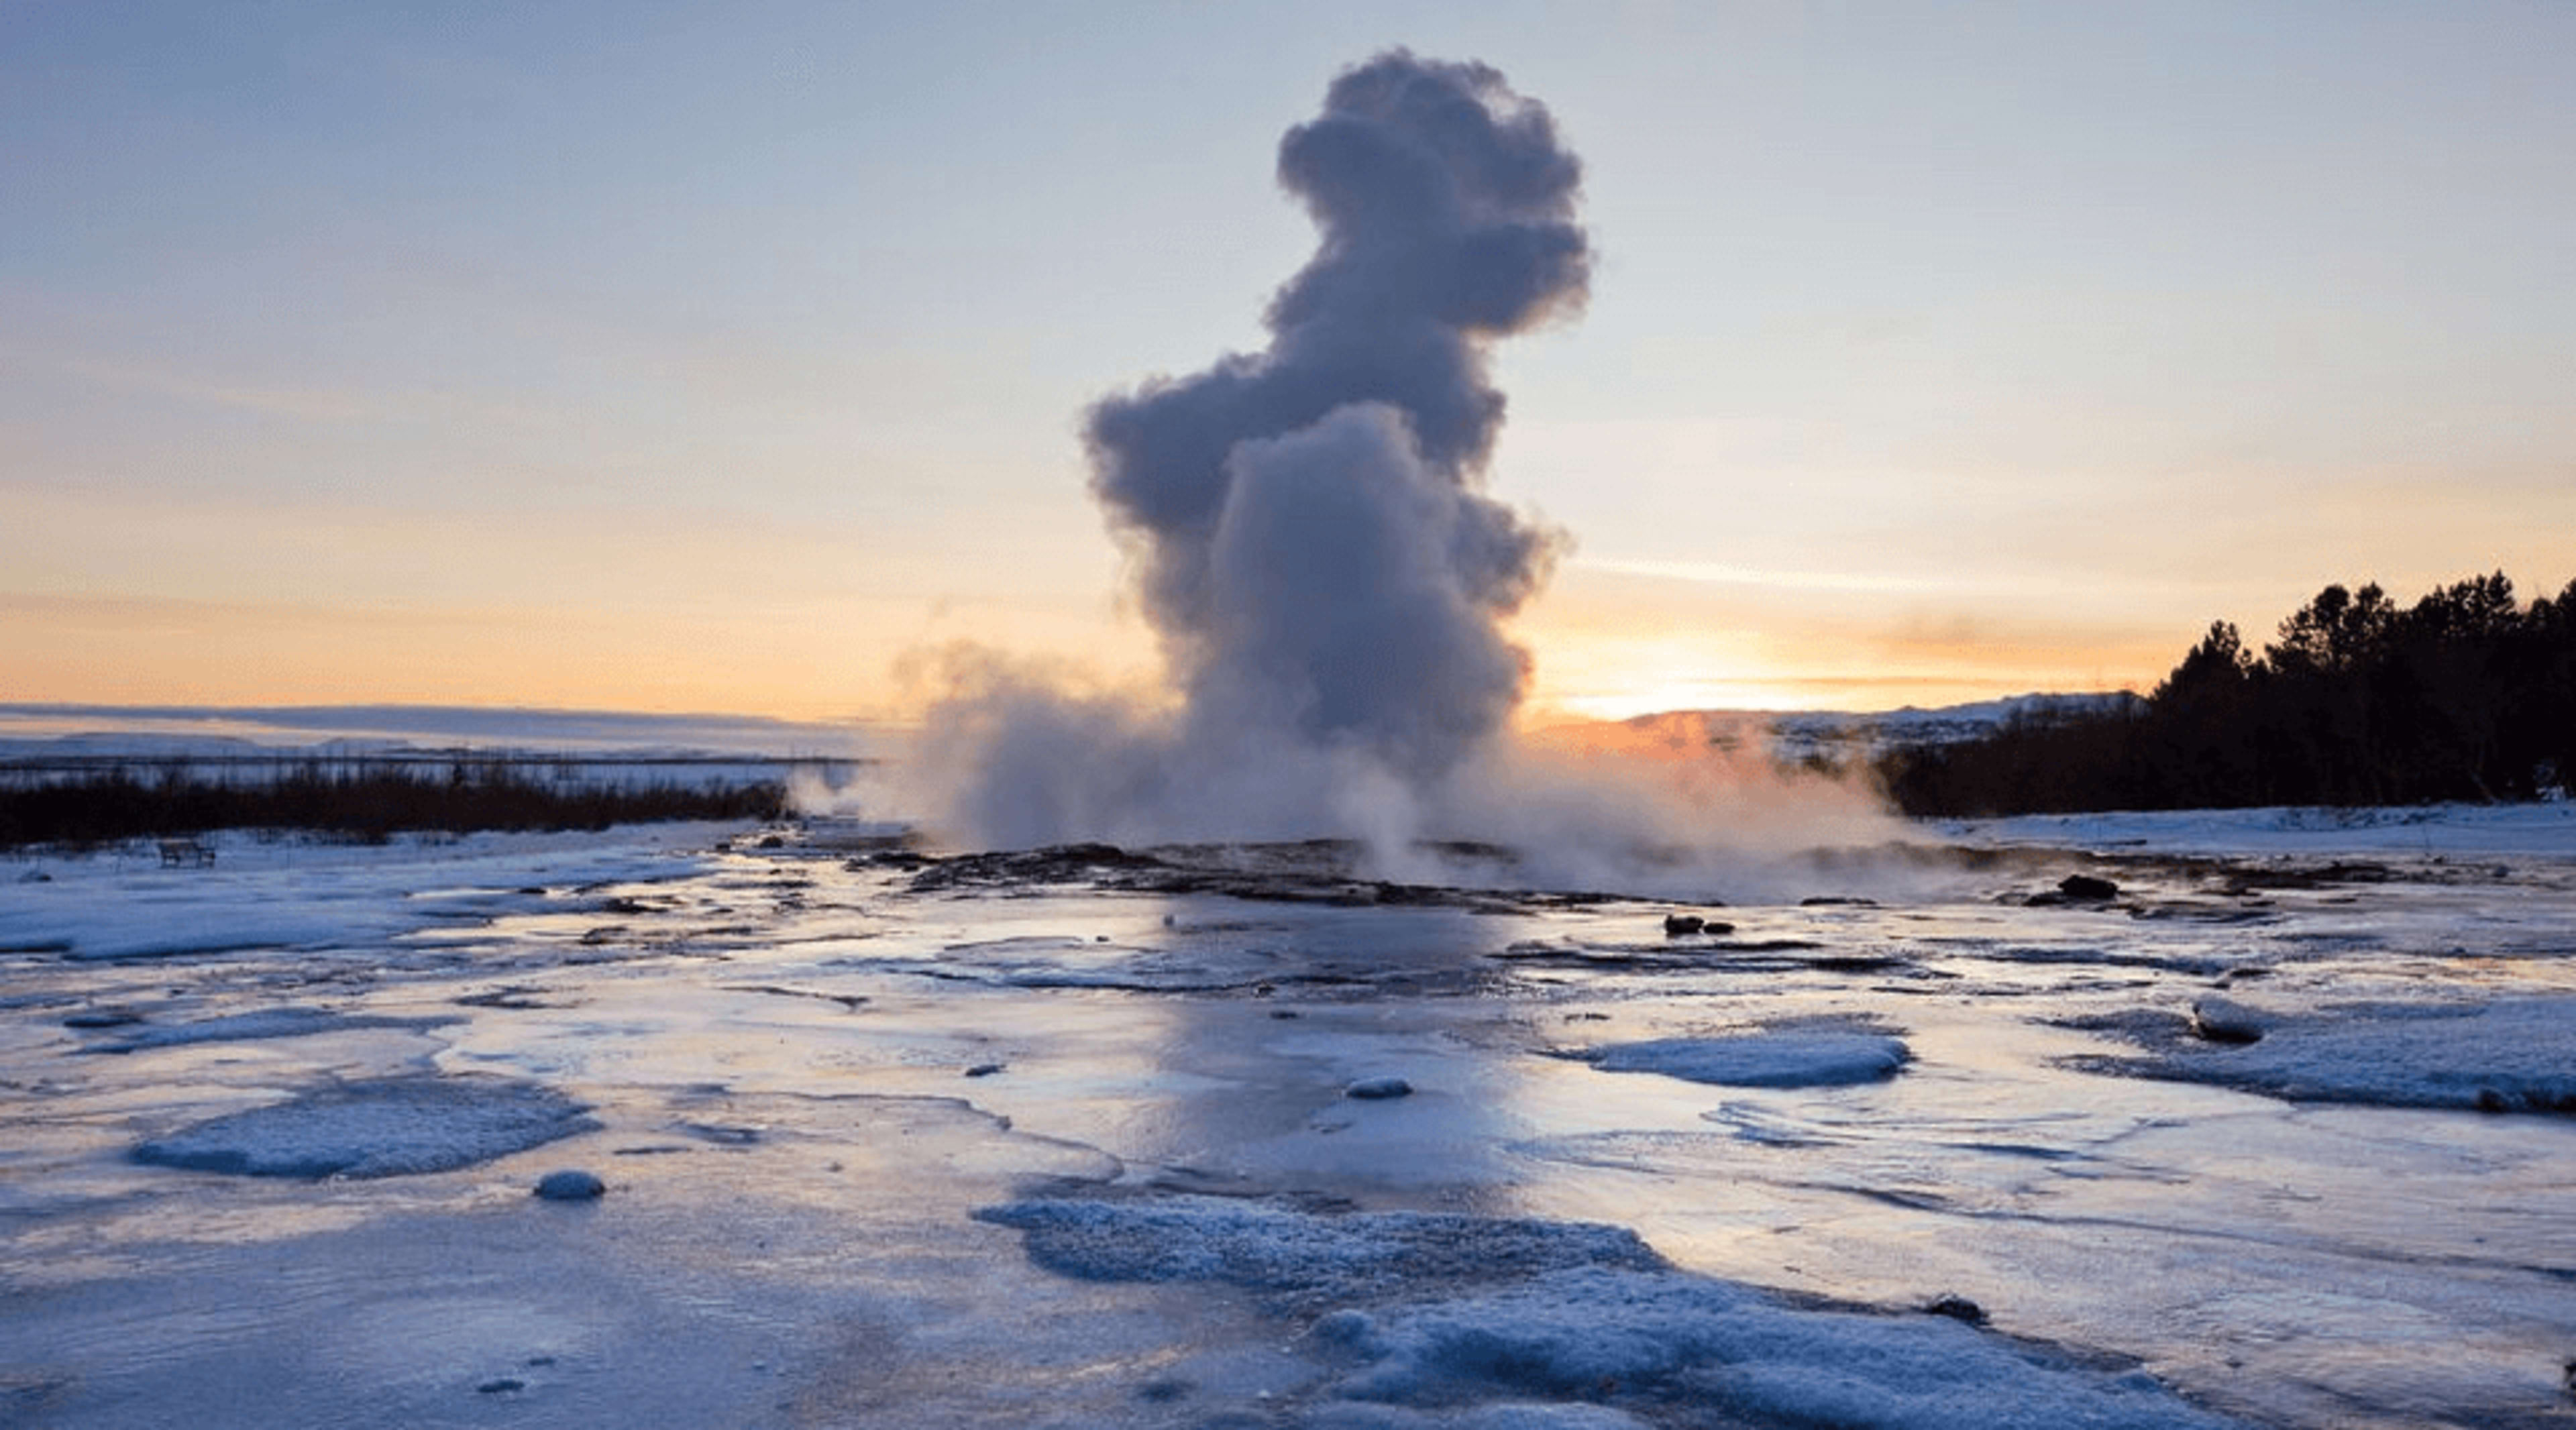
x: 808, y: 1069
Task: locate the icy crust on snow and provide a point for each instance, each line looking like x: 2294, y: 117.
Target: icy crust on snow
x: 1490, y: 1322
x: 1299, y: 1257
x: 1789, y: 1058
x: 388, y: 1128
x: 289, y: 1022
x: 301, y: 895
x: 1711, y: 1344
x: 2507, y: 1056
x: 1501, y: 1415
x: 2546, y: 829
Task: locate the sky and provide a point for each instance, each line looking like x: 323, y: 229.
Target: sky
x: 733, y: 357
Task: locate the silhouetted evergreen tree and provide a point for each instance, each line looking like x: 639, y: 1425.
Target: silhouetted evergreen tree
x: 2464, y: 695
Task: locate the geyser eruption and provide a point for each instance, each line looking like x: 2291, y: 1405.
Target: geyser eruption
x: 1310, y: 532
x: 1310, y: 536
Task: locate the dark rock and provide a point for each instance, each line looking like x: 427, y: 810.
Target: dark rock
x: 1957, y: 1308
x: 772, y: 841
x: 2086, y: 889
x: 721, y: 1134
x: 102, y: 1018
x: 1683, y: 925
x: 1378, y: 1089
x: 985, y: 1069
x: 503, y: 1386
x: 570, y: 1186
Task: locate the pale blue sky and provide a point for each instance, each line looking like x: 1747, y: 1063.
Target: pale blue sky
x: 716, y: 356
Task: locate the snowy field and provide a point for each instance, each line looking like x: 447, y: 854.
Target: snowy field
x: 2275, y: 1131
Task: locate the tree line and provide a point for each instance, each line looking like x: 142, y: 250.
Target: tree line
x: 369, y: 805
x: 2465, y: 695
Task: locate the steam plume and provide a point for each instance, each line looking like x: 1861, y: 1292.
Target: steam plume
x: 1310, y: 536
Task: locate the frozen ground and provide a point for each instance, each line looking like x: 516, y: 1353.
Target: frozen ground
x: 2278, y: 1133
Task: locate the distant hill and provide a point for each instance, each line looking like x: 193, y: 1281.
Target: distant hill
x: 1845, y: 736
x: 182, y: 731
x: 1836, y: 734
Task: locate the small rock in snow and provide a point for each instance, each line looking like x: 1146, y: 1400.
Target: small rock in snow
x: 985, y: 1069
x: 1683, y: 925
x: 570, y: 1186
x: 503, y: 1386
x: 2085, y: 888
x: 1957, y: 1308
x: 2217, y: 1020
x: 102, y: 1018
x: 1375, y: 1089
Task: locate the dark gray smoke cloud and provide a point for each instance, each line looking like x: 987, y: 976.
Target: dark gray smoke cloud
x: 1310, y: 534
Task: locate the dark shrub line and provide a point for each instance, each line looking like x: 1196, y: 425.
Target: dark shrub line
x: 2464, y: 695
x: 114, y: 805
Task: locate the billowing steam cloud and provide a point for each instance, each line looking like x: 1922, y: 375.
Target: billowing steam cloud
x: 1309, y: 525
x: 1310, y: 535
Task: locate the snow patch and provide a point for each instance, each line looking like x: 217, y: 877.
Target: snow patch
x: 2452, y: 831
x: 291, y: 1022
x: 1779, y: 1058
x: 1665, y: 1336
x: 1503, y: 1323
x: 1299, y: 1256
x: 303, y: 896
x: 1503, y: 1415
x: 2509, y: 1056
x: 388, y: 1128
